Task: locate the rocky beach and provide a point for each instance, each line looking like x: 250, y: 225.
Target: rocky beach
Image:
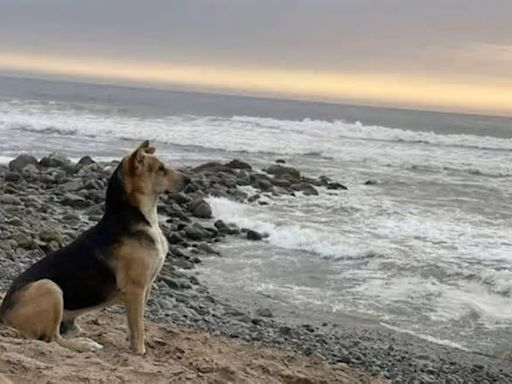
x: 46, y: 202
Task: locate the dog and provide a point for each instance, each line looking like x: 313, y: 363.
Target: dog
x: 114, y: 262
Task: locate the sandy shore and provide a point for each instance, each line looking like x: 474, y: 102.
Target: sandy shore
x: 173, y: 356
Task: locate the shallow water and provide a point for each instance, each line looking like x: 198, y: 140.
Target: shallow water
x: 427, y: 249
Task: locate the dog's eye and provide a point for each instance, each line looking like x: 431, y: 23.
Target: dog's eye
x: 161, y: 169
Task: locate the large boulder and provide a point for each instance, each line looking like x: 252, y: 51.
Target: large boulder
x: 238, y: 164
x: 21, y: 162
x: 281, y: 171
x: 201, y: 209
x: 55, y: 160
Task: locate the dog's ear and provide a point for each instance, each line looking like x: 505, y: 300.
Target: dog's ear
x: 137, y: 156
x: 146, y: 148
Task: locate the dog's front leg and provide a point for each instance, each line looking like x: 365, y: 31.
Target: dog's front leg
x: 134, y: 302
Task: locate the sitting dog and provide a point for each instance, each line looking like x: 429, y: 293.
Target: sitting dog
x: 114, y: 262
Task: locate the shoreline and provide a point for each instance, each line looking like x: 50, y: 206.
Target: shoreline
x: 45, y: 203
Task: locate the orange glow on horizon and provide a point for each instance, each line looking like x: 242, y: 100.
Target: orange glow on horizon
x: 478, y: 96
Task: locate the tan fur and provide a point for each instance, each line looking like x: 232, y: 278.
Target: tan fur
x: 38, y: 312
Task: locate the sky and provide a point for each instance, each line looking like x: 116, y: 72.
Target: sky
x: 451, y: 55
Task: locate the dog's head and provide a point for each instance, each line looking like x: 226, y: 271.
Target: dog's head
x: 145, y: 174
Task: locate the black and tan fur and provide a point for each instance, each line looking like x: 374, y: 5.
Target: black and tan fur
x: 114, y: 262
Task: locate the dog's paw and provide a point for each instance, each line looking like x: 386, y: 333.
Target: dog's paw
x: 83, y: 344
x: 139, y: 350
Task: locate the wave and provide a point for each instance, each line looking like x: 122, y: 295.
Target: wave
x: 299, y: 237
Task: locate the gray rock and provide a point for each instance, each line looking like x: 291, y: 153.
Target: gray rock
x: 23, y: 240
x: 20, y: 162
x: 72, y: 186
x: 10, y: 200
x: 336, y: 186
x: 73, y: 200
x: 206, y: 248
x: 49, y: 234
x: 263, y: 312
x: 238, y: 164
x: 55, y: 160
x: 279, y: 170
x: 201, y: 209
x: 12, y: 177
x: 309, y: 190
x: 253, y: 235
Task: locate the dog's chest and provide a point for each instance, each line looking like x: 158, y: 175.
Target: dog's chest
x: 161, y: 247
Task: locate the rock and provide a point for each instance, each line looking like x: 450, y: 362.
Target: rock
x: 206, y: 248
x: 253, y: 198
x: 281, y: 161
x: 253, y: 235
x: 285, y: 330
x: 180, y: 198
x: 49, y: 235
x: 264, y: 185
x: 23, y: 240
x: 200, y: 209
x: 211, y: 167
x: 12, y: 177
x: 263, y: 312
x: 176, y: 284
x: 336, y: 186
x: 15, y: 221
x: 309, y: 190
x: 279, y: 170
x: 21, y: 162
x: 72, y: 186
x: 174, y: 238
x: 54, y: 161
x: 93, y: 185
x: 196, y: 232
x: 371, y: 182
x: 74, y: 200
x: 238, y: 164
x: 10, y: 200
x: 283, y: 183
x: 84, y: 161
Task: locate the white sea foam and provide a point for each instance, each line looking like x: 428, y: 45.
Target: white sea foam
x: 302, y: 236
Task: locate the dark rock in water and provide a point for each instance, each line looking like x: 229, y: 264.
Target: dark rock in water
x: 253, y: 235
x: 238, y: 164
x: 201, y: 209
x: 336, y: 186
x: 324, y: 180
x: 285, y: 330
x: 21, y: 162
x: 281, y: 161
x: 84, y: 161
x: 54, y: 161
x: 226, y: 229
x: 253, y: 198
x: 197, y: 232
x: 263, y: 185
x: 211, y: 167
x: 283, y: 183
x: 74, y: 200
x: 309, y: 190
x: 371, y: 182
x: 263, y: 312
x: 12, y: 177
x: 279, y: 170
x: 206, y: 248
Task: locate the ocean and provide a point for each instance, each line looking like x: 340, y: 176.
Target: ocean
x: 424, y: 247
